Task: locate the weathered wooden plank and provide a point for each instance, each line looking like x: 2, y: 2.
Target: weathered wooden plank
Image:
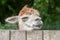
x: 29, y: 35
x: 34, y: 35
x: 52, y: 35
x: 46, y: 35
x: 4, y: 35
x: 17, y: 35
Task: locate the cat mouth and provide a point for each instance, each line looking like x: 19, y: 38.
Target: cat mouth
x: 36, y: 26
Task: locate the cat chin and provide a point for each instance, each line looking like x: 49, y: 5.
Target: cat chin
x: 27, y: 29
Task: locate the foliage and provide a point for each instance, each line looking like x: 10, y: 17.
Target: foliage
x: 49, y: 11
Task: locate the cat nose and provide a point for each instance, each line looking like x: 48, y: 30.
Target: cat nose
x: 38, y: 21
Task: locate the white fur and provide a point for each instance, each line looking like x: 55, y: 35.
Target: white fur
x: 28, y: 25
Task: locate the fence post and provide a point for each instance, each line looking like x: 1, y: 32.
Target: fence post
x: 17, y: 35
x: 51, y: 35
x: 34, y: 35
x: 4, y: 34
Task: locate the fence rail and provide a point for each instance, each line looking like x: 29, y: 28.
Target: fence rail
x: 29, y: 35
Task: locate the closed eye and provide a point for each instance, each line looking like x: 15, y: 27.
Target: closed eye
x: 24, y: 19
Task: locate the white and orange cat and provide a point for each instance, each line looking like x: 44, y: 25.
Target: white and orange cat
x: 28, y: 19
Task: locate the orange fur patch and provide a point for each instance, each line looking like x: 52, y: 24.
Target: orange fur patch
x: 30, y: 10
x: 24, y: 9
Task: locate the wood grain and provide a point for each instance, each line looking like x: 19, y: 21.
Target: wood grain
x: 4, y: 35
x: 34, y: 35
x: 17, y: 35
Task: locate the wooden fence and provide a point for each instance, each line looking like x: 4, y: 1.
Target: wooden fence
x: 29, y: 35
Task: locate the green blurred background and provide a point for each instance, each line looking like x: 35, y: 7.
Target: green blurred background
x: 49, y: 11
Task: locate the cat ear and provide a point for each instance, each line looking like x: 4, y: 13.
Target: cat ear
x: 12, y: 19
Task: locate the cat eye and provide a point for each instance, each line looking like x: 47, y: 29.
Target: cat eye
x: 24, y: 19
x: 37, y: 19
